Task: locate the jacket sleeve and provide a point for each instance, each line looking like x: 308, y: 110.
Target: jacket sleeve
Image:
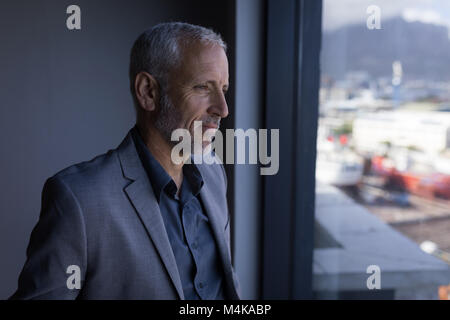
x: 57, y: 242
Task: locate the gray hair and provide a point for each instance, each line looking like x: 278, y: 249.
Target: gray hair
x: 157, y: 50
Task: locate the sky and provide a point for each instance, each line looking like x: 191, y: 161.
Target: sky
x: 337, y: 13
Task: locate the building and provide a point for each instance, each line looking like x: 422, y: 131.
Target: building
x: 426, y: 131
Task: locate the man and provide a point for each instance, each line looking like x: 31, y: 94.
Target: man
x: 132, y: 224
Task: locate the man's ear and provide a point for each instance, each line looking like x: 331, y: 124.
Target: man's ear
x: 147, y: 91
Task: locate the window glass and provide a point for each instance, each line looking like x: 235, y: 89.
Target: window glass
x: 383, y: 151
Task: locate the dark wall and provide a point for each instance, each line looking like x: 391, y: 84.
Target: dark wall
x: 64, y: 95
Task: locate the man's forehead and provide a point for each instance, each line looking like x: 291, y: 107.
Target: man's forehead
x: 203, y: 61
x: 205, y: 55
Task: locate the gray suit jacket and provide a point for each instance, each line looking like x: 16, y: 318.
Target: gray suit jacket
x: 102, y: 216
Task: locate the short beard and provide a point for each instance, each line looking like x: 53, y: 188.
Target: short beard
x: 167, y: 119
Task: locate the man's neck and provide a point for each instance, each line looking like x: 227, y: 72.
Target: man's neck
x: 161, y: 150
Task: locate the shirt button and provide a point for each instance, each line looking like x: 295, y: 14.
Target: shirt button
x: 194, y: 245
x: 200, y: 285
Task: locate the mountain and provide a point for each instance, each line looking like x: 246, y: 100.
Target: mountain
x: 423, y: 49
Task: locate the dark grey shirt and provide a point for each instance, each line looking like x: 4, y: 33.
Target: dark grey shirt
x: 187, y: 227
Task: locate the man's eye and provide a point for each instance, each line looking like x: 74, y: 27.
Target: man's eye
x: 202, y: 87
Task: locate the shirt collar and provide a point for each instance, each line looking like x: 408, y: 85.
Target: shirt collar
x: 158, y: 177
x: 193, y: 176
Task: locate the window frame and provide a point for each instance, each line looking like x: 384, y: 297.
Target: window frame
x: 293, y: 41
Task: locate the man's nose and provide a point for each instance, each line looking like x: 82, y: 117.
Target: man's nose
x: 220, y: 107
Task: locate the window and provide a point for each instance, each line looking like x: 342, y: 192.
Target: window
x: 382, y: 210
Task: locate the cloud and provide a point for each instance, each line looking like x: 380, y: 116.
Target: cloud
x: 337, y: 13
x: 427, y: 16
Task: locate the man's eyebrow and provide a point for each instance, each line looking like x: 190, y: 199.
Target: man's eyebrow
x: 213, y: 82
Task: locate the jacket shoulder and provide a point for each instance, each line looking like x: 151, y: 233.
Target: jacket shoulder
x: 101, y: 165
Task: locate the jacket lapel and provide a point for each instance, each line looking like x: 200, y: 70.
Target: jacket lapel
x: 209, y: 202
x: 142, y: 197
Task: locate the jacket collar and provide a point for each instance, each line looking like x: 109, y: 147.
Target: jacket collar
x: 141, y: 195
